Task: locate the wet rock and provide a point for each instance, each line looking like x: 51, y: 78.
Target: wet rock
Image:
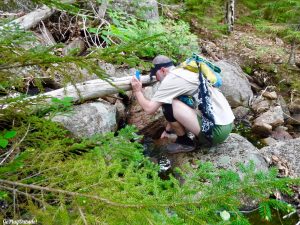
x: 236, y: 86
x: 273, y: 117
x: 288, y: 153
x: 270, y: 95
x: 234, y: 151
x: 89, y: 118
x: 240, y: 112
x: 147, y: 124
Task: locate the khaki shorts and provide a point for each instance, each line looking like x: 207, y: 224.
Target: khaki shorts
x: 220, y: 134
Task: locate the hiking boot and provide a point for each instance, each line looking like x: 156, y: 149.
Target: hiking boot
x: 178, y: 148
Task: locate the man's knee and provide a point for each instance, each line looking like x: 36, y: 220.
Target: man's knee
x: 168, y: 112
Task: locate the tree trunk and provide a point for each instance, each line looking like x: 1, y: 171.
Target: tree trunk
x: 33, y: 18
x: 229, y: 16
x: 94, y: 89
x: 292, y: 57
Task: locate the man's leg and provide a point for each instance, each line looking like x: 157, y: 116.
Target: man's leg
x: 183, y: 142
x: 180, y: 131
x: 186, y: 116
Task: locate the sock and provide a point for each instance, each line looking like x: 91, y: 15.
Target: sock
x: 184, y: 140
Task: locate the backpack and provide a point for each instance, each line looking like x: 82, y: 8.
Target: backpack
x: 210, y: 71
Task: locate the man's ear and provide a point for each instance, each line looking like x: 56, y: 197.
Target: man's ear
x: 165, y: 70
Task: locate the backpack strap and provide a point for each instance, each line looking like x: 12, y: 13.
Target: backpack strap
x: 205, y: 106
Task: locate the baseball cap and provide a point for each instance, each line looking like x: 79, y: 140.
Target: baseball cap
x: 159, y: 62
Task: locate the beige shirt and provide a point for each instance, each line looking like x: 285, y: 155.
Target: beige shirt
x: 183, y: 82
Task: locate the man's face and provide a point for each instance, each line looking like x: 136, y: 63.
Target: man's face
x: 160, y: 74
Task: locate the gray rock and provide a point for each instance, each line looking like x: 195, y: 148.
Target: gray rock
x: 295, y: 106
x: 121, y: 111
x: 236, y: 86
x: 294, y: 119
x: 234, y: 151
x: 147, y: 9
x: 288, y: 151
x: 281, y: 134
x: 75, y: 46
x: 270, y: 95
x: 261, y: 128
x: 260, y: 105
x: 109, y: 69
x: 273, y: 117
x: 240, y: 112
x: 89, y: 118
x: 269, y: 141
x: 284, y: 106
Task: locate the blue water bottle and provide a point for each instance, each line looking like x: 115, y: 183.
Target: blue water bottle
x: 138, y: 74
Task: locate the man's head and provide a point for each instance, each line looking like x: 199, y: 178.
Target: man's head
x: 161, y: 67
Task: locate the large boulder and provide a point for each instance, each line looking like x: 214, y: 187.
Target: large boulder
x: 236, y: 86
x: 89, y: 118
x: 147, y: 9
x: 287, y: 152
x: 150, y: 125
x: 234, y: 151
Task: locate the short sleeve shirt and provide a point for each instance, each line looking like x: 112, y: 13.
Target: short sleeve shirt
x: 183, y: 82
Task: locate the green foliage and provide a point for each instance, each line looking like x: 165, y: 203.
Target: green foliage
x: 208, y: 13
x: 5, y: 136
x: 3, y: 195
x: 114, y: 182
x: 248, y: 70
x: 173, y: 39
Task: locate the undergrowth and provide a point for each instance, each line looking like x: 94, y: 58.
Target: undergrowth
x: 59, y: 179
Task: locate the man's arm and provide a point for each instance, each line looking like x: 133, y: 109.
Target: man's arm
x: 148, y: 106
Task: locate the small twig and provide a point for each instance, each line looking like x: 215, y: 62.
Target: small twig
x: 14, y: 200
x: 84, y: 31
x: 23, y: 193
x: 249, y: 211
x: 82, y: 215
x: 14, y: 147
x: 289, y: 215
x: 45, y: 32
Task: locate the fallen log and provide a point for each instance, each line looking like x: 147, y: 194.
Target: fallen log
x: 94, y: 89
x: 31, y: 19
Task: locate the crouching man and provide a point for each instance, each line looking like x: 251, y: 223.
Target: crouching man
x: 211, y: 123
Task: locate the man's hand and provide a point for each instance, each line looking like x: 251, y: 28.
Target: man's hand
x: 164, y: 135
x: 136, y: 84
